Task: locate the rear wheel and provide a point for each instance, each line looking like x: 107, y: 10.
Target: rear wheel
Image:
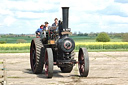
x: 83, y: 62
x: 66, y: 69
x: 48, y: 62
x: 36, y: 56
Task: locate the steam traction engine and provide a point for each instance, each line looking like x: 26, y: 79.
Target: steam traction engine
x: 54, y: 47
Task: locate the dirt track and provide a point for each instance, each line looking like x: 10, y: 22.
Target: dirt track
x: 106, y: 68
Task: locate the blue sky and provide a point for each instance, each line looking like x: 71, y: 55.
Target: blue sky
x: 25, y: 16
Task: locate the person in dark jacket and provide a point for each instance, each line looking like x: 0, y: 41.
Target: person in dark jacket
x: 56, y: 22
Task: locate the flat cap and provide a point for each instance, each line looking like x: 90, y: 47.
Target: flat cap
x: 46, y: 22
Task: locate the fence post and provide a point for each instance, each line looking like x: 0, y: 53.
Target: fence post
x: 5, y: 72
x: 4, y: 82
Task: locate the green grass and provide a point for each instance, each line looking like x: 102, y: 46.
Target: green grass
x: 75, y: 38
x: 91, y: 39
x: 14, y: 39
x: 1, y: 62
x: 82, y: 39
x: 116, y: 40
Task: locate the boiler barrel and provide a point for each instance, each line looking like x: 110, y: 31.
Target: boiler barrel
x: 65, y: 13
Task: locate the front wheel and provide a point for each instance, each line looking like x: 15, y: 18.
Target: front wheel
x: 48, y: 62
x: 83, y: 62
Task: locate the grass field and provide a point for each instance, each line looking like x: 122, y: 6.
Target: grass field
x: 93, y: 39
x: 14, y: 39
x: 75, y: 38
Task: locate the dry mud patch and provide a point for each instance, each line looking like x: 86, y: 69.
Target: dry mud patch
x: 106, y: 68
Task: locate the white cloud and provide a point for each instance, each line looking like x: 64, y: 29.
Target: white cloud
x: 4, y: 12
x: 29, y: 15
x: 9, y: 20
x: 84, y: 15
x: 29, y: 5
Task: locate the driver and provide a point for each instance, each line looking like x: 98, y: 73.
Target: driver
x: 56, y: 22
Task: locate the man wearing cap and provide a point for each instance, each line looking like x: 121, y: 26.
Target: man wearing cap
x: 46, y: 27
x: 56, y: 22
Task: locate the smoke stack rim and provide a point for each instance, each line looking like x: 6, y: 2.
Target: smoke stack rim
x: 65, y: 7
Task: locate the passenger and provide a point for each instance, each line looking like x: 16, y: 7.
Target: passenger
x: 56, y: 22
x: 39, y: 30
x: 46, y: 27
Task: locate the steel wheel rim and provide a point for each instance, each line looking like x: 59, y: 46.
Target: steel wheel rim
x: 33, y: 56
x: 46, y: 63
x: 81, y: 63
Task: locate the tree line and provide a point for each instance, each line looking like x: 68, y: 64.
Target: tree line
x: 16, y: 35
x: 95, y: 34
x: 91, y: 34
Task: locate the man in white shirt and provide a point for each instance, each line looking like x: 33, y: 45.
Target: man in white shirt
x: 46, y: 27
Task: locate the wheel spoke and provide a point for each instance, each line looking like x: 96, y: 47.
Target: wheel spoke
x: 46, y: 68
x: 82, y: 58
x: 82, y: 68
x: 81, y: 62
x: 34, y: 66
x: 46, y: 64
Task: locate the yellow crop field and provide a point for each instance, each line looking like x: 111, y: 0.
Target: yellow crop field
x: 88, y: 45
x: 102, y: 45
x: 15, y: 46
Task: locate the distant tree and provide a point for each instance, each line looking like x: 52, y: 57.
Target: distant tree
x: 125, y: 37
x: 85, y: 34
x: 3, y: 36
x: 75, y: 33
x: 91, y: 34
x: 22, y: 35
x: 96, y: 34
x: 80, y: 34
x: 103, y: 37
x: 28, y: 36
x: 118, y: 35
x: 111, y: 34
x: 21, y: 41
x: 2, y: 42
x: 11, y: 34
